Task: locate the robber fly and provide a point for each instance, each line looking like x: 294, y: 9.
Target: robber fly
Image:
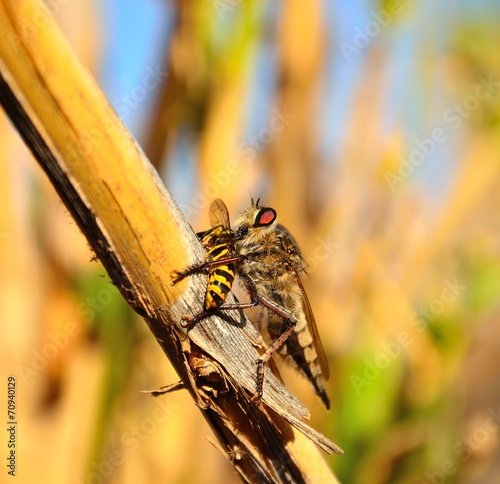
x: 218, y: 241
x: 269, y: 263
x: 270, y: 267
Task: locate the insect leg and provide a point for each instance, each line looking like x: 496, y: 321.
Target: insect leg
x: 190, y: 322
x: 282, y: 313
x: 261, y: 362
x: 177, y: 276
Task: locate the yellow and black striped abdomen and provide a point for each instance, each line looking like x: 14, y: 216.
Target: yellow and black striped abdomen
x: 220, y: 278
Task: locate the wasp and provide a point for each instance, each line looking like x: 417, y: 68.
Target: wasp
x: 269, y: 263
x: 218, y: 241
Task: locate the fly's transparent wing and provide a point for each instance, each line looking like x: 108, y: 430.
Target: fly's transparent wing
x: 311, y: 323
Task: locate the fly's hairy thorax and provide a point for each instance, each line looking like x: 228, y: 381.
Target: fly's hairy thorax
x: 269, y: 255
x: 271, y: 259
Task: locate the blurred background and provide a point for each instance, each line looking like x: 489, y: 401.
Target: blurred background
x: 373, y: 129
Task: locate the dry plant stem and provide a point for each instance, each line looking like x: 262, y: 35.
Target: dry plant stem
x: 137, y: 231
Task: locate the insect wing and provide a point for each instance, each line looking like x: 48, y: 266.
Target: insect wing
x: 311, y: 323
x: 219, y: 215
x: 220, y: 232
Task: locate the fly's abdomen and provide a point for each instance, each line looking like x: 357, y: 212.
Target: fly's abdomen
x: 300, y: 353
x: 220, y: 278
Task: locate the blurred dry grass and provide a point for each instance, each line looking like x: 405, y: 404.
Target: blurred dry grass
x: 404, y: 282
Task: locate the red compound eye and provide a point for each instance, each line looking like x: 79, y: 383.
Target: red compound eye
x: 266, y: 216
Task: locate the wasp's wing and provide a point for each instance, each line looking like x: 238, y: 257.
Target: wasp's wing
x: 219, y: 215
x: 311, y: 323
x: 219, y: 221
